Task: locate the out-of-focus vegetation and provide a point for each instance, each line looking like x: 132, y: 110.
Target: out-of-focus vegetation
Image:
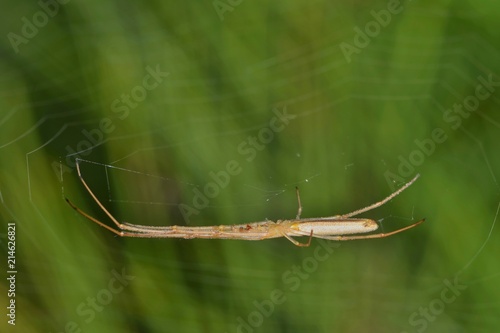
x: 167, y: 93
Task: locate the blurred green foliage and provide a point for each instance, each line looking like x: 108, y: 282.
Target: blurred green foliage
x: 369, y: 85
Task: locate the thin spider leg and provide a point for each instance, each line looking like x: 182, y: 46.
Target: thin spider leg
x: 118, y: 224
x: 117, y: 232
x: 131, y: 230
x: 379, y: 235
x: 299, y: 211
x: 297, y: 242
x: 380, y: 203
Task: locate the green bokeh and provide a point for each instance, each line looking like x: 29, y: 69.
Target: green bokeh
x: 359, y: 117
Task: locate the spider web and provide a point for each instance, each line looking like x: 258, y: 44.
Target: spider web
x: 200, y: 116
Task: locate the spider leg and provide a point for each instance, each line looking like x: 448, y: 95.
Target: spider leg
x: 299, y: 210
x: 381, y: 202
x: 297, y: 242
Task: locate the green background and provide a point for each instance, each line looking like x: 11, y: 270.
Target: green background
x: 357, y: 117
